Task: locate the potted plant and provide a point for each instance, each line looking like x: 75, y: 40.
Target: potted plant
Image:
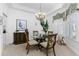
x: 44, y: 26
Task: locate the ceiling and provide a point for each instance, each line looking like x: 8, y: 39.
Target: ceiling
x: 34, y: 7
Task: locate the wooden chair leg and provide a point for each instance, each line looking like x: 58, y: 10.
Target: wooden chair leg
x: 27, y: 47
x: 46, y: 52
x: 28, y: 51
x: 54, y: 51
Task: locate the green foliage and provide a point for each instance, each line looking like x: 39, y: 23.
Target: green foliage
x: 44, y: 25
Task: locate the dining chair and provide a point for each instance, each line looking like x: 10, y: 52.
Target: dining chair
x: 35, y: 34
x: 50, y: 32
x: 50, y: 43
x: 30, y: 43
x: 60, y: 40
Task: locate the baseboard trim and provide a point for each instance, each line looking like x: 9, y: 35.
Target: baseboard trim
x: 73, y: 46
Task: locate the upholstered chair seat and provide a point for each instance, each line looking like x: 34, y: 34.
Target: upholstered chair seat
x: 46, y: 39
x: 33, y: 42
x: 60, y: 37
x: 44, y: 44
x: 49, y: 43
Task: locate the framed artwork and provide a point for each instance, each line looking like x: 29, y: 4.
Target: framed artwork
x: 21, y: 25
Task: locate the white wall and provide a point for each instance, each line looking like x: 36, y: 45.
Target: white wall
x: 1, y: 39
x: 67, y: 29
x: 57, y: 26
x: 32, y: 23
x: 73, y: 42
x: 3, y: 9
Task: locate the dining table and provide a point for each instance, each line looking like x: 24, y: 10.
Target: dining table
x: 42, y: 38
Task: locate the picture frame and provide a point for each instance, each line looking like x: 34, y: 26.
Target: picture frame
x: 21, y: 25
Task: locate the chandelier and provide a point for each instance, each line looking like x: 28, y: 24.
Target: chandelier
x: 40, y: 15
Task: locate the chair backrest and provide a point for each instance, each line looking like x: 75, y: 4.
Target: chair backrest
x: 27, y: 32
x: 60, y: 37
x: 51, y: 40
x: 35, y: 34
x: 27, y: 35
x: 50, y: 32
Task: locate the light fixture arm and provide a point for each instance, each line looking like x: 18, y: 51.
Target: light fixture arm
x: 40, y: 6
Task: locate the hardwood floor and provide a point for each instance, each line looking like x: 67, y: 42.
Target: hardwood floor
x: 19, y: 50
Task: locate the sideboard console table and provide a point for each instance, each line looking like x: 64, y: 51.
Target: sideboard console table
x: 19, y: 38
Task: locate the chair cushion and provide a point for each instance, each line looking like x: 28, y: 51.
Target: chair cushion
x: 46, y: 39
x: 33, y: 42
x: 60, y: 37
x: 44, y: 44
